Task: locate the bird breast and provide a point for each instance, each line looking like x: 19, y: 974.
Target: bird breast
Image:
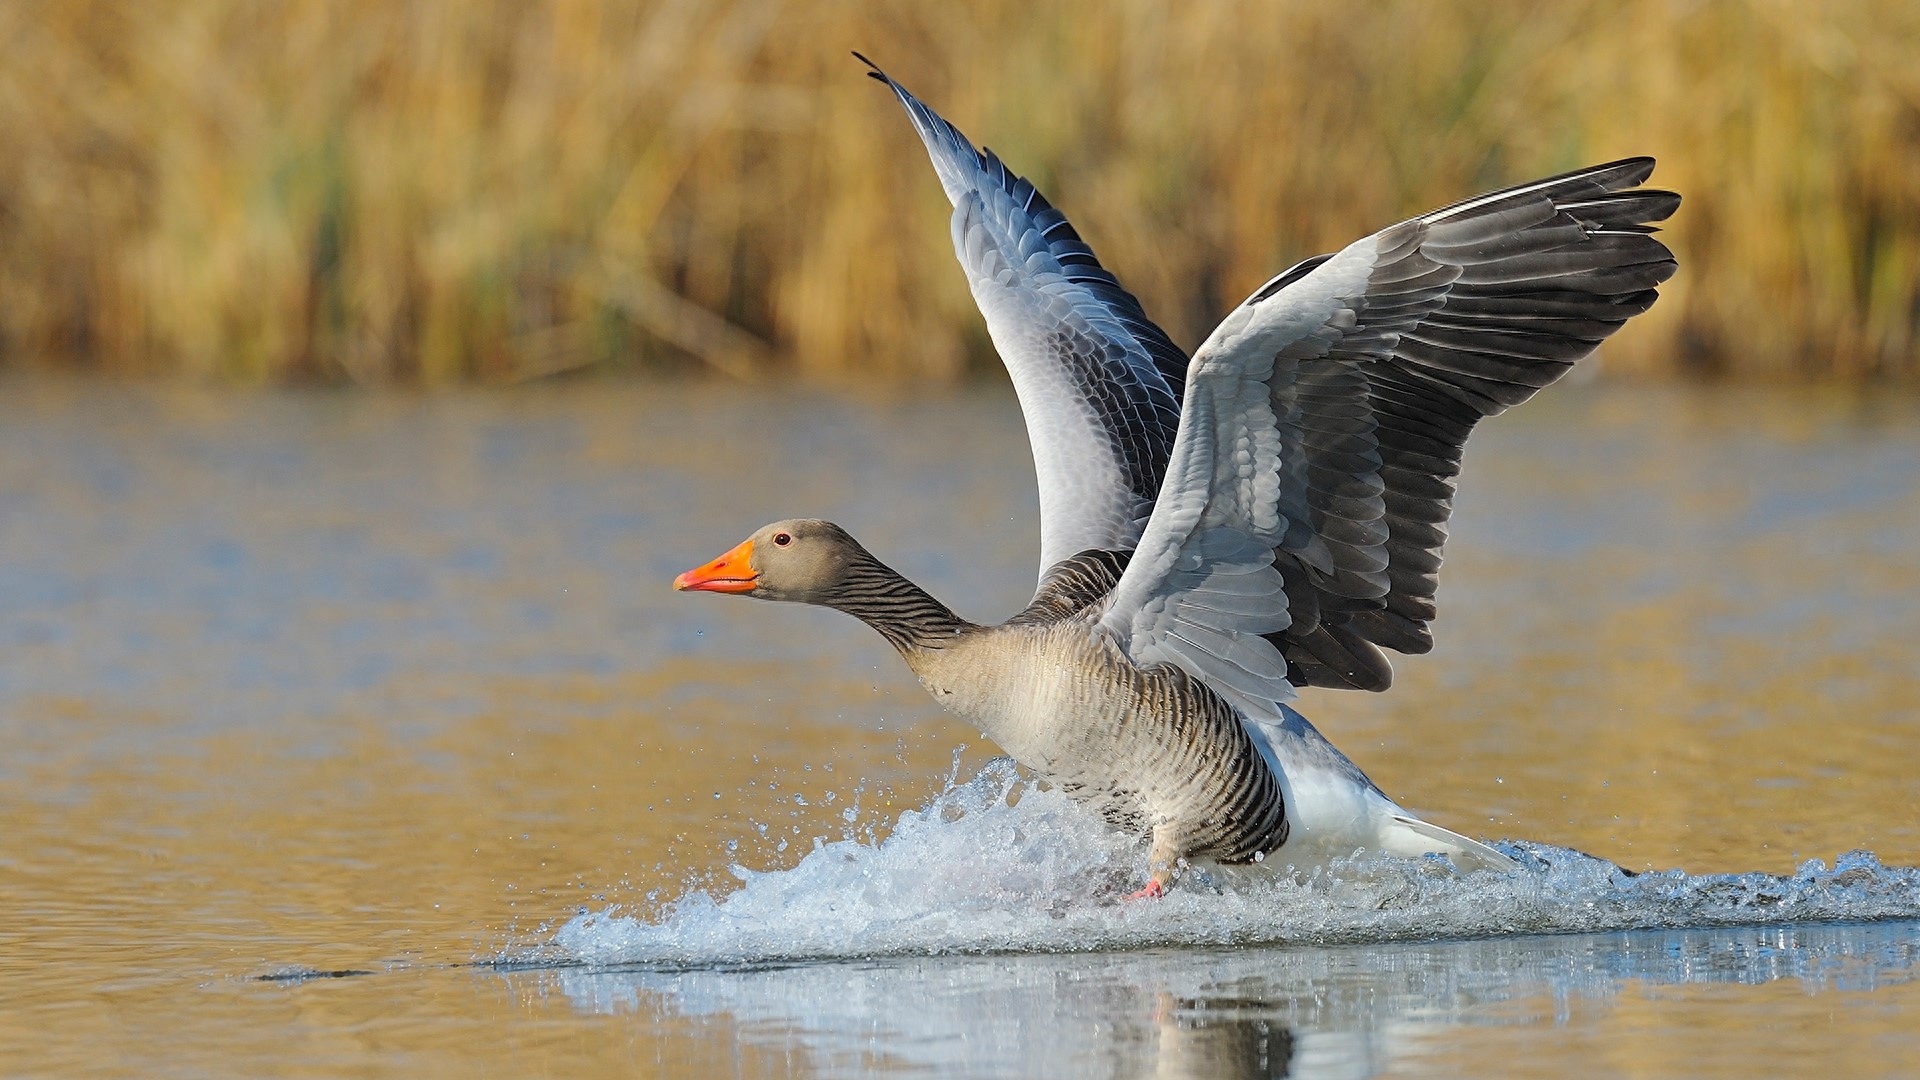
x: 1146, y: 747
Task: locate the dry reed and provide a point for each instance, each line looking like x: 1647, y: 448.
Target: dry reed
x: 423, y: 192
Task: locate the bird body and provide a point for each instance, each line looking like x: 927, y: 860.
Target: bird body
x: 1156, y: 752
x: 1217, y: 530
x: 1150, y: 748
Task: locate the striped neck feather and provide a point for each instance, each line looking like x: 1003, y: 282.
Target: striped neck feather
x: 904, y: 613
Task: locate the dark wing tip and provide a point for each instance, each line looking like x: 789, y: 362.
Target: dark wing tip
x: 1287, y: 277
x: 1626, y: 172
x: 1664, y: 203
x: 1335, y: 657
x: 874, y: 71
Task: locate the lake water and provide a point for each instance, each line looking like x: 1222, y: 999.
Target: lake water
x: 361, y: 734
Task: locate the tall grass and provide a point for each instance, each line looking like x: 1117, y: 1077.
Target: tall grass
x: 423, y: 192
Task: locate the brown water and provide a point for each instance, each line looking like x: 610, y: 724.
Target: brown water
x: 300, y: 684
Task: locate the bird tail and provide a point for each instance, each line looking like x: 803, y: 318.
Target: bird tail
x: 1406, y: 835
x: 1336, y: 810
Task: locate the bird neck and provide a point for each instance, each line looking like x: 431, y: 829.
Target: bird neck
x: 904, y: 613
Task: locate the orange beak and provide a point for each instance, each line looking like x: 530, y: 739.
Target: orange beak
x: 732, y: 572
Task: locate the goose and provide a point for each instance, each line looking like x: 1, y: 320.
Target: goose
x: 1219, y: 530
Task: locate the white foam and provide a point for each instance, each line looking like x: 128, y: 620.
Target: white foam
x: 999, y: 865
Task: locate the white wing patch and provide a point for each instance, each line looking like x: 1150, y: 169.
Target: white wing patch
x: 1085, y: 499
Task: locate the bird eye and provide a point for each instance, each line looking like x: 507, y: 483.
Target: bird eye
x: 782, y: 539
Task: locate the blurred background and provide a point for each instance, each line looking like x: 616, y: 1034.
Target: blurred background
x: 421, y: 193
x: 299, y: 678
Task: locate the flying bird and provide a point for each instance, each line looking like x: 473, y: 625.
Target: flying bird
x: 1217, y: 530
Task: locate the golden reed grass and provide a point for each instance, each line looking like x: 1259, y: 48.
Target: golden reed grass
x: 422, y: 192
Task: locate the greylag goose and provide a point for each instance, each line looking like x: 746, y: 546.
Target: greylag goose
x: 1216, y: 531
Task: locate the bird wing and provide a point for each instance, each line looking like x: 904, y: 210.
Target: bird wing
x: 1098, y: 382
x: 1300, y: 524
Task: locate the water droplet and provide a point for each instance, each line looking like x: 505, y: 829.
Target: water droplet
x: 716, y: 794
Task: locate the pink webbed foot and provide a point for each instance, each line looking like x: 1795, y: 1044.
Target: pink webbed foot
x: 1153, y: 891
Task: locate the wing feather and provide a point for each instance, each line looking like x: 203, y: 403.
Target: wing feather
x: 1351, y: 382
x: 1098, y: 382
x: 1545, y: 272
x: 1287, y: 490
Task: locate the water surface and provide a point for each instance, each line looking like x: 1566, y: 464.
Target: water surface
x: 298, y: 684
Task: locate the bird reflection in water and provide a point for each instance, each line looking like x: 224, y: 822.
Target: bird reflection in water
x: 1263, y: 1011
x: 1229, y: 1038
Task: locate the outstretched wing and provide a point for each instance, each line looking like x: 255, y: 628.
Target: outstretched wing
x: 1324, y: 421
x: 1099, y: 383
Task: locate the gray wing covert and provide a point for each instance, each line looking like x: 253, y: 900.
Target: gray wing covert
x: 1099, y: 383
x: 1203, y: 592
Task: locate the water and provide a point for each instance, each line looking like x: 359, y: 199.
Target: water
x: 1659, y: 1002
x: 976, y: 872
x: 299, y: 684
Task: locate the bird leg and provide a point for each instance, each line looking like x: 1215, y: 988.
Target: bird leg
x: 1162, y: 860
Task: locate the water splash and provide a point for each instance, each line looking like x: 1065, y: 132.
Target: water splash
x: 998, y: 864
